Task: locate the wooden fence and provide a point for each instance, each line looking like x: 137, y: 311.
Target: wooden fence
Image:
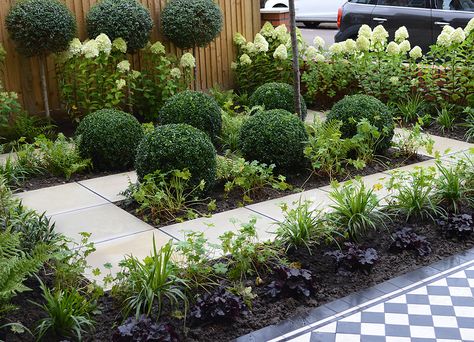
x: 21, y: 75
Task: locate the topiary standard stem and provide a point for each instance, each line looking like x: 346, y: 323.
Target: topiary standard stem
x: 196, y: 86
x: 296, y: 66
x: 44, y: 85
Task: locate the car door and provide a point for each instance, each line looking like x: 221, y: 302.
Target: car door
x: 414, y: 14
x: 456, y: 13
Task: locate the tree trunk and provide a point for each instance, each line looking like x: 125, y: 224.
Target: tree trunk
x: 44, y: 85
x: 196, y: 86
x: 296, y: 64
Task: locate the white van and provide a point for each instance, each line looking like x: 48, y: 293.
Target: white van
x: 311, y: 12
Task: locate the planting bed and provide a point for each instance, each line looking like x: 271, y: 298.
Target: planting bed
x: 265, y: 311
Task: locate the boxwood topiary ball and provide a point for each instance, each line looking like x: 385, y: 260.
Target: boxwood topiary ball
x: 190, y: 23
x: 40, y: 27
x: 352, y: 109
x: 177, y: 147
x: 195, y: 109
x: 276, y: 95
x: 110, y: 138
x: 274, y: 137
x: 127, y: 19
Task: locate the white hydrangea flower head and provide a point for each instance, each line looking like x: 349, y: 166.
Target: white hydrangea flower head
x: 239, y: 40
x: 261, y: 43
x: 250, y: 48
x: 245, y: 59
x: 311, y: 52
x: 90, y: 49
x: 350, y: 46
x: 363, y: 43
x: 268, y: 30
x: 234, y: 66
x: 319, y: 58
x: 337, y: 48
x: 103, y: 43
x: 458, y: 36
x: 394, y: 80
x: 75, y: 47
x: 365, y: 31
x: 123, y: 66
x: 444, y: 39
x: 281, y: 52
x: 158, y: 49
x: 416, y: 52
x: 120, y: 44
x: 188, y: 61
x: 414, y: 82
x: 401, y: 34
x: 393, y: 49
x: 175, y: 73
x: 469, y: 27
x: 448, y: 29
x: 405, y: 46
x: 135, y: 74
x: 379, y: 35
x: 120, y: 84
x: 281, y: 33
x: 319, y: 42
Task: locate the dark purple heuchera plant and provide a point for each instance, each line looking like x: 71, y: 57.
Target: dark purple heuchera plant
x: 407, y: 239
x: 217, y: 306
x: 144, y: 329
x: 459, y: 226
x: 291, y: 282
x: 355, y: 258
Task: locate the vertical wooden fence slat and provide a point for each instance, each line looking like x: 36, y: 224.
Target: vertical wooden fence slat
x: 21, y: 75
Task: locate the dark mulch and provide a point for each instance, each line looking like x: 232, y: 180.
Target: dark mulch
x: 457, y: 133
x: 265, y: 311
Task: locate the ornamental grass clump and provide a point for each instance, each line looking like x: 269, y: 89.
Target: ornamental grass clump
x: 274, y: 137
x: 276, y: 95
x: 178, y: 147
x: 109, y: 138
x: 195, y: 109
x: 126, y: 19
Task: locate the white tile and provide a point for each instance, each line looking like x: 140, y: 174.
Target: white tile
x: 111, y: 186
x: 467, y: 334
x: 440, y: 282
x: 302, y: 338
x: 400, y: 299
x: 460, y: 292
x: 60, y: 199
x: 397, y: 339
x: 272, y: 208
x: 104, y: 222
x: 422, y: 332
x: 352, y: 318
x: 419, y: 309
x: 464, y: 311
x: 347, y: 338
x: 444, y: 321
x: 397, y: 319
x: 440, y: 300
x: 330, y: 328
x: 420, y: 291
x: 218, y: 224
x: 373, y: 329
x: 376, y: 308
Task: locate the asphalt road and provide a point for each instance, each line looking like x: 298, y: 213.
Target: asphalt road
x: 326, y: 31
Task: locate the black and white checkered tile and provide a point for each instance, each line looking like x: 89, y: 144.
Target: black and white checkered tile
x: 440, y: 310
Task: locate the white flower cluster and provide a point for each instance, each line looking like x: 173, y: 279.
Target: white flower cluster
x: 239, y: 40
x: 94, y: 47
x: 416, y: 52
x: 260, y: 43
x: 393, y: 49
x: 188, y: 61
x: 469, y: 27
x: 120, y: 83
x: 313, y: 54
x: 120, y: 44
x: 319, y: 43
x: 401, y: 34
x: 90, y: 49
x: 450, y: 36
x: 379, y: 35
x: 123, y: 67
x: 175, y: 73
x: 245, y: 59
x: 337, y: 48
x: 103, y: 43
x: 281, y: 52
x: 158, y: 49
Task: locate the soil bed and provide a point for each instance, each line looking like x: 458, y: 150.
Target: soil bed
x: 266, y: 311
x: 457, y: 133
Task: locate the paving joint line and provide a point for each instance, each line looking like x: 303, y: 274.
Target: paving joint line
x: 94, y: 192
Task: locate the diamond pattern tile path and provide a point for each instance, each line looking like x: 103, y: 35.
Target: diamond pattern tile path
x: 441, y: 309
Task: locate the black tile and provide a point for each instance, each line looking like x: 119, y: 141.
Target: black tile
x: 372, y: 338
x: 395, y: 308
x: 373, y: 317
x: 442, y: 310
x: 417, y: 299
x: 448, y: 333
x: 465, y: 322
x: 423, y: 339
x: 420, y: 320
x: 397, y: 330
x: 348, y: 328
x: 457, y: 282
x: 437, y: 290
x: 322, y: 337
x: 463, y: 301
x: 469, y: 274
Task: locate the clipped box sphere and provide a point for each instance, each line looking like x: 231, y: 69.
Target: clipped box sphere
x: 127, y: 19
x: 195, y: 109
x: 274, y: 137
x: 110, y: 138
x: 352, y: 109
x: 177, y: 147
x: 276, y: 95
x: 40, y: 27
x: 190, y: 23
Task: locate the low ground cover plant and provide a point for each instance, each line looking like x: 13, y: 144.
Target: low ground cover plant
x: 354, y: 258
x: 407, y: 239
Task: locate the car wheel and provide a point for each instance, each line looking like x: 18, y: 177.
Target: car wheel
x: 311, y: 24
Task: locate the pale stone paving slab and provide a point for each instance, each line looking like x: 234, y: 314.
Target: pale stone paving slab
x: 59, y: 199
x: 111, y: 186
x: 104, y: 222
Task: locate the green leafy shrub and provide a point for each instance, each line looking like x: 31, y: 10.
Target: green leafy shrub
x: 352, y: 109
x: 195, y: 109
x: 40, y: 27
x: 109, y: 138
x: 190, y: 23
x: 277, y: 96
x: 274, y: 137
x: 178, y: 147
x: 231, y: 126
x: 127, y: 19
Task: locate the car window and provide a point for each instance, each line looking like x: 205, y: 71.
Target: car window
x: 455, y: 5
x: 365, y: 2
x: 403, y: 3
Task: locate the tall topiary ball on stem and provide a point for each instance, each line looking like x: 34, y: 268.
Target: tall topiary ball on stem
x: 126, y: 19
x: 39, y: 28
x: 191, y: 23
